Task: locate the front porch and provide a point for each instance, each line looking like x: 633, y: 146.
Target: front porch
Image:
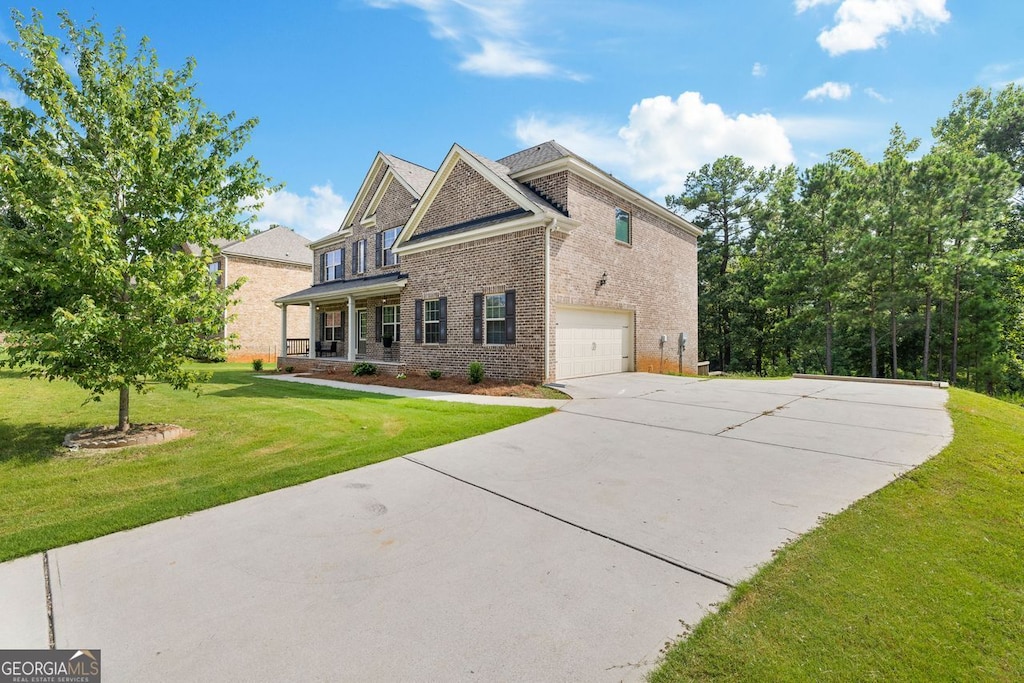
x: 350, y: 321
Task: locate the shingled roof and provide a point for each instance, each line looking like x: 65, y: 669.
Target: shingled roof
x: 276, y: 244
x: 417, y: 176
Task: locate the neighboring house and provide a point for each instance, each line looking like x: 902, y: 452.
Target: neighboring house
x: 273, y: 262
x: 540, y: 266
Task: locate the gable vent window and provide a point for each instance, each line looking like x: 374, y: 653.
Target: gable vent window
x: 623, y: 226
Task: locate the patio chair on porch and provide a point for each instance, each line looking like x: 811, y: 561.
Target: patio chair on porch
x: 323, y: 349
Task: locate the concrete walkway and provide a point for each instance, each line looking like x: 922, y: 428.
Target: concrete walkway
x: 419, y: 393
x: 562, y: 549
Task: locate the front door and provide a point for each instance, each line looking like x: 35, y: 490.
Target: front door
x: 361, y: 346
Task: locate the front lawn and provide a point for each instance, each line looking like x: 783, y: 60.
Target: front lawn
x: 252, y: 436
x: 923, y: 580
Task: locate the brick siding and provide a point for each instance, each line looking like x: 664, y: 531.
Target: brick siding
x: 655, y: 276
x: 489, y: 266
x: 466, y: 195
x: 257, y: 322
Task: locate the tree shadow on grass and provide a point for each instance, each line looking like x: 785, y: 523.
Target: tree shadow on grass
x: 31, y: 443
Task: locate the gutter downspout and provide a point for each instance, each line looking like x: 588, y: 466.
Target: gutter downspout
x: 553, y: 225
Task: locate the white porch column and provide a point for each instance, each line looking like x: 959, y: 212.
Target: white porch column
x: 312, y: 329
x: 353, y: 329
x: 283, y: 349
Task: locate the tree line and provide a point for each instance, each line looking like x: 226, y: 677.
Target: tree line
x: 911, y: 266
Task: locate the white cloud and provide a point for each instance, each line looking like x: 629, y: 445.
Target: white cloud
x: 489, y: 35
x: 666, y: 139
x: 313, y: 215
x: 875, y: 95
x: 497, y: 58
x: 999, y: 76
x: 802, y: 5
x: 863, y: 24
x: 759, y: 70
x: 830, y: 90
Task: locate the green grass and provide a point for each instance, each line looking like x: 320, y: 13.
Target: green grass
x: 922, y: 581
x: 252, y: 435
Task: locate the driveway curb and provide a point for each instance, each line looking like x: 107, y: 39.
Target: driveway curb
x: 875, y: 380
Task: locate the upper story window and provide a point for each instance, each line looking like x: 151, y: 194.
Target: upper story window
x: 214, y: 269
x: 332, y: 265
x: 494, y: 318
x: 389, y: 258
x: 623, y: 226
x: 360, y: 257
x: 432, y: 321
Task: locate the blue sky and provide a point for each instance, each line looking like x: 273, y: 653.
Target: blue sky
x: 646, y: 90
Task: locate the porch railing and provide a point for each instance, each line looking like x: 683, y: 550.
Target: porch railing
x: 298, y: 347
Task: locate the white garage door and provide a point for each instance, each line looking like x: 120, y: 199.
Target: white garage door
x: 592, y: 342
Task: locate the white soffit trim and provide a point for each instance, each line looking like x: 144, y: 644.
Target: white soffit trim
x: 610, y: 184
x: 364, y: 189
x: 456, y: 154
x: 333, y: 238
x: 447, y: 240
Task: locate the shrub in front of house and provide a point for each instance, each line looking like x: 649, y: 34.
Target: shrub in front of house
x: 476, y: 372
x: 360, y: 369
x: 257, y: 365
x: 434, y: 374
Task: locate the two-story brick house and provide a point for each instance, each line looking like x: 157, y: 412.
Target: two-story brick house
x: 270, y: 263
x: 540, y: 266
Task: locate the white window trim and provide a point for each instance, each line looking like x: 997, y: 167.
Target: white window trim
x: 432, y: 322
x: 361, y: 257
x: 487, y: 341
x: 384, y: 325
x: 336, y: 336
x: 389, y: 249
x: 330, y: 270
x: 629, y: 226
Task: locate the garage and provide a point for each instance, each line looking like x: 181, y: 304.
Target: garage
x: 592, y: 341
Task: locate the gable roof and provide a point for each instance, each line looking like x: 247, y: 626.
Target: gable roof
x: 551, y: 157
x: 413, y: 177
x: 276, y: 244
x: 533, y: 209
x: 535, y: 156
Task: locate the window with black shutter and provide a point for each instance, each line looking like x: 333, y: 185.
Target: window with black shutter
x: 478, y: 318
x: 417, y: 333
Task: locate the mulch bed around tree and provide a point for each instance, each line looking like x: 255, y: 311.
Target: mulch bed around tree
x: 455, y: 385
x: 110, y: 437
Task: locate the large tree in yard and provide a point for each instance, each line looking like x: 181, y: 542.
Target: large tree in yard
x: 104, y: 174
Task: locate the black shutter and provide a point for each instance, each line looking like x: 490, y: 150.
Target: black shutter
x: 380, y: 321
x: 418, y: 322
x: 355, y: 257
x: 442, y: 313
x: 341, y: 265
x: 344, y: 328
x: 478, y: 318
x: 380, y: 249
x: 323, y: 268
x: 398, y: 323
x: 510, y: 316
x: 323, y: 326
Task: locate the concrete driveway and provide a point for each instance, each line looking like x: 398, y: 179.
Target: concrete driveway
x: 566, y: 548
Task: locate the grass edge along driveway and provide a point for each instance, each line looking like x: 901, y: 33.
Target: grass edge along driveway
x: 252, y: 436
x: 922, y: 580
